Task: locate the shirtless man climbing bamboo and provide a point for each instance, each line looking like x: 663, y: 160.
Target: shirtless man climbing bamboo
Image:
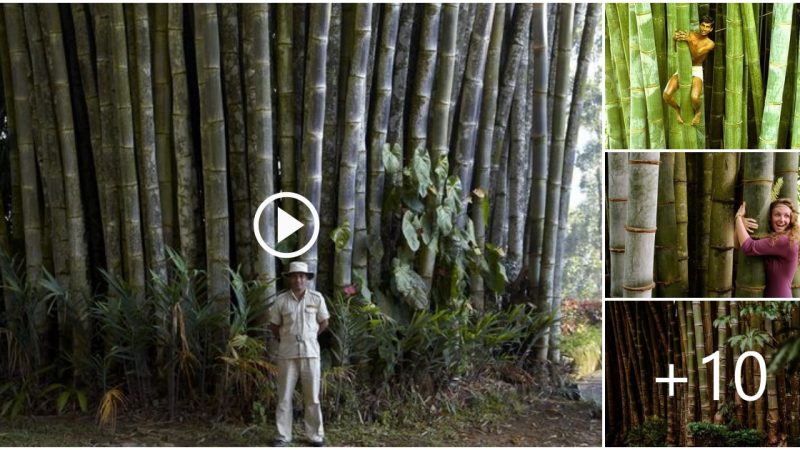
x: 699, y: 47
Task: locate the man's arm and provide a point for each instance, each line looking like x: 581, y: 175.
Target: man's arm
x: 275, y: 329
x: 322, y: 327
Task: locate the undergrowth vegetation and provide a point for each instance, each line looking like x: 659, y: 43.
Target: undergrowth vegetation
x: 157, y: 351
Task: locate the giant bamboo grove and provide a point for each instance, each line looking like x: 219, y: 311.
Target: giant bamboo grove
x: 749, y: 77
x: 644, y: 338
x: 691, y: 198
x: 141, y: 139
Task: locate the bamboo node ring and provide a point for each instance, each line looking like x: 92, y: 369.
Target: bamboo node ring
x: 649, y: 287
x: 640, y: 230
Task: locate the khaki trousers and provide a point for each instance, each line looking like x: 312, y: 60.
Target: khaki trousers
x: 308, y: 370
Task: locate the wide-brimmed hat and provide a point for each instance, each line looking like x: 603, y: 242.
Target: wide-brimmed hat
x: 298, y: 267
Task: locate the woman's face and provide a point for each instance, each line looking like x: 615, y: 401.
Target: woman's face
x: 781, y: 218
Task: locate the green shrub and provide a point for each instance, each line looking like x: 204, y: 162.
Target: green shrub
x: 584, y: 346
x: 652, y: 433
x: 712, y: 435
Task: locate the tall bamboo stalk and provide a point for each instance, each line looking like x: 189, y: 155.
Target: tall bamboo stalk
x: 314, y: 122
x: 379, y: 123
x: 668, y: 281
x: 720, y: 263
x: 779, y: 45
x: 353, y: 140
x: 650, y: 70
x: 617, y: 211
x: 485, y: 134
x: 640, y: 224
x: 758, y: 172
x: 236, y: 134
x: 260, y: 152
x: 734, y: 56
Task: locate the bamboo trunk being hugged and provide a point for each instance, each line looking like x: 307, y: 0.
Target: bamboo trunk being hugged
x: 641, y: 224
x: 758, y: 173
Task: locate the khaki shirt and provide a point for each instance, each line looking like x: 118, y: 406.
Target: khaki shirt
x: 299, y: 322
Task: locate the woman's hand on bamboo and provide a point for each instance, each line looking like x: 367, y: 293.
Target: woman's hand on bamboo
x: 750, y: 225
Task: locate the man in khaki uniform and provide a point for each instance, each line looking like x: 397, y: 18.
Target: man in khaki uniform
x: 297, y: 317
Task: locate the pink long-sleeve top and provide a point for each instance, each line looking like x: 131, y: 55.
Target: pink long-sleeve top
x: 780, y: 261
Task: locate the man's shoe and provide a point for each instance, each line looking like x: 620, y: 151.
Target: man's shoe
x: 280, y: 443
x: 318, y: 443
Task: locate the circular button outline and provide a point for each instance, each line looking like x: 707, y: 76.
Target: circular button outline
x: 314, y: 216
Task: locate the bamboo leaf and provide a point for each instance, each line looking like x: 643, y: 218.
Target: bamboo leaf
x: 340, y: 235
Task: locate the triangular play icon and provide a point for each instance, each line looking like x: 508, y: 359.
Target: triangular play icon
x: 287, y: 225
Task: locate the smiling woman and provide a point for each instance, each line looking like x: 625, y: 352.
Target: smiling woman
x: 779, y: 248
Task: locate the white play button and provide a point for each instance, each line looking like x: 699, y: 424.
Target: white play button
x: 286, y: 225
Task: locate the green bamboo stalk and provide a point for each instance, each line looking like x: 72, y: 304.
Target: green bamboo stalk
x: 641, y: 224
x: 426, y: 65
x: 379, y: 122
x: 637, y: 138
x: 617, y: 210
x: 650, y: 69
x: 781, y: 33
x: 236, y: 138
x: 718, y: 87
x: 260, y: 135
x: 439, y: 136
x: 483, y: 152
x: 700, y: 353
x: 668, y: 280
x: 212, y: 144
x: 659, y: 12
x: 685, y: 78
x: 675, y: 130
x: 789, y: 85
x: 146, y: 148
x: 285, y: 80
x: 189, y: 225
x: 31, y: 218
x: 79, y: 287
x: 705, y: 223
x: 682, y: 222
x: 758, y: 172
x: 353, y: 139
x: 615, y: 128
x: 619, y: 56
x: 556, y: 158
x: 314, y: 123
x: 751, y: 42
x: 720, y: 264
x: 162, y: 95
x: 734, y: 57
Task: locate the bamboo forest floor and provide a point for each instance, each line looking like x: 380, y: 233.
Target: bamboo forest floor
x: 527, y: 420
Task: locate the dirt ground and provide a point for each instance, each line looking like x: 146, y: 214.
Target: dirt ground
x: 532, y: 421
